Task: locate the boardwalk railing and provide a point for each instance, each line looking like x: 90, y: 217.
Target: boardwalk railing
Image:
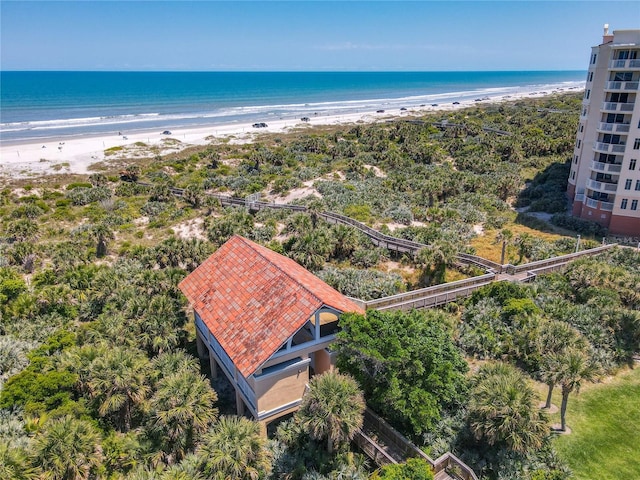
x: 431, y: 296
x: 374, y: 451
x: 447, y: 462
x: 549, y: 264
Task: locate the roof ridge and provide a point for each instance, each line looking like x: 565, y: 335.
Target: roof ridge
x: 251, y: 245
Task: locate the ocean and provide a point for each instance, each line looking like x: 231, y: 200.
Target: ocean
x: 44, y: 105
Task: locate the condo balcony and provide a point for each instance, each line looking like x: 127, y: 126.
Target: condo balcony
x: 606, y: 167
x: 605, y: 206
x: 613, y: 127
x: 617, y: 107
x: 621, y: 86
x: 624, y: 64
x: 602, y: 186
x: 609, y: 147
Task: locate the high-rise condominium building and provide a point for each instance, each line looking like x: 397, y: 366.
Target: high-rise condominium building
x: 604, y: 182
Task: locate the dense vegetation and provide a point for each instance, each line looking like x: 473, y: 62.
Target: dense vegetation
x: 97, y: 362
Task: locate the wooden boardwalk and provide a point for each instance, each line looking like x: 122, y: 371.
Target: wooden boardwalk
x: 432, y: 296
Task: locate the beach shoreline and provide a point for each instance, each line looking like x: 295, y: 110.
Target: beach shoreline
x: 23, y: 159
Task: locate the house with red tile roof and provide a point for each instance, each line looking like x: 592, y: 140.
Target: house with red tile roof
x: 265, y: 322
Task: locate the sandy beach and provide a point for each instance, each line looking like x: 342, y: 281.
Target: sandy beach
x: 31, y: 159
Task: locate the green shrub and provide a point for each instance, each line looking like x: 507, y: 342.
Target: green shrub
x: 584, y: 227
x: 71, y: 186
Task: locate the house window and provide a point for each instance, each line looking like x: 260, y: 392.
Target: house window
x: 637, y: 185
x: 634, y: 204
x: 627, y: 184
x: 632, y: 164
x: 623, y: 204
x: 636, y: 144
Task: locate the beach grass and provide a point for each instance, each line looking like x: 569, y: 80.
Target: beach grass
x: 487, y: 247
x: 605, y: 423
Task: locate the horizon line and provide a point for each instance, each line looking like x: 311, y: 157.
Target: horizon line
x: 278, y: 71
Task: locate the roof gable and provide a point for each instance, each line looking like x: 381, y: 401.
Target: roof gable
x: 253, y: 299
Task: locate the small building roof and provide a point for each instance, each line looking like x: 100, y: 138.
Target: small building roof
x: 253, y: 299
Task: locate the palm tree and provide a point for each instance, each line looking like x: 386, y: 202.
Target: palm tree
x: 503, y: 409
x: 554, y: 340
x: 332, y: 409
x: 505, y: 236
x: 67, y: 449
x: 576, y: 366
x: 234, y: 449
x: 347, y: 240
x: 102, y: 234
x: 435, y: 259
x: 312, y: 249
x: 181, y: 410
x: 13, y: 463
x: 119, y: 384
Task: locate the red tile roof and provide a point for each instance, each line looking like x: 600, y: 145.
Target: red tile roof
x: 253, y: 299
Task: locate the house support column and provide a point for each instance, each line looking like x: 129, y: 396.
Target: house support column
x: 263, y: 428
x: 239, y: 403
x: 203, y: 352
x: 214, y: 366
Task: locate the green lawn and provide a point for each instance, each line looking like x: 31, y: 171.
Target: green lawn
x: 605, y: 419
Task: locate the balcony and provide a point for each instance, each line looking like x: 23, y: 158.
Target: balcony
x: 609, y: 147
x: 606, y: 167
x: 621, y: 86
x: 624, y: 64
x: 617, y: 107
x: 613, y: 127
x: 605, y: 206
x: 602, y: 186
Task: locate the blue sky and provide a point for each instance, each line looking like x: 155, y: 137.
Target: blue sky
x: 306, y: 35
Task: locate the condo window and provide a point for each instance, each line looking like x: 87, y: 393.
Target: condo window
x: 627, y: 54
x: 634, y: 204
x: 632, y: 164
x: 627, y: 184
x: 615, y: 117
x: 619, y: 97
x: 590, y: 77
x: 622, y: 77
x: 636, y: 144
x: 578, y: 144
x: 623, y: 204
x: 593, y: 58
x: 576, y: 159
x: 637, y: 185
x: 573, y: 175
x: 581, y: 128
x: 605, y: 158
x: 587, y: 94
